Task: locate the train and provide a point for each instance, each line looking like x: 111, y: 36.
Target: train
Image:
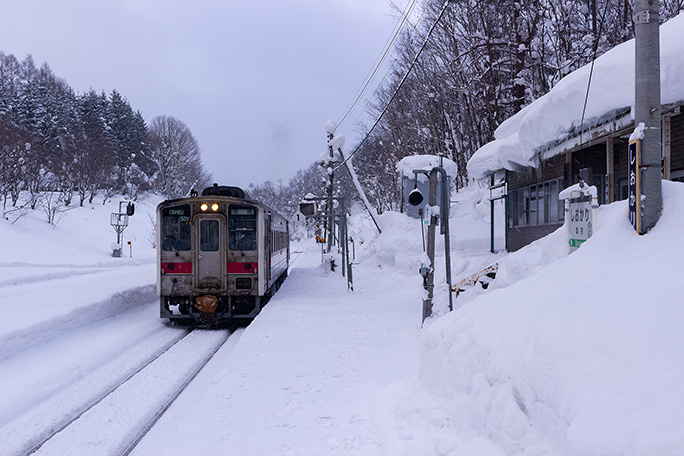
x: 220, y: 257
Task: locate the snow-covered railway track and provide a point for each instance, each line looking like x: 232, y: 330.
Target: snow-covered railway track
x: 113, y: 418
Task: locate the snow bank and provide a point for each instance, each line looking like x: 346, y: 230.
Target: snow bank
x: 580, y: 357
x: 56, y: 278
x: 554, y: 114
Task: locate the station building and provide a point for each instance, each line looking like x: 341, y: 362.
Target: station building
x: 553, y: 141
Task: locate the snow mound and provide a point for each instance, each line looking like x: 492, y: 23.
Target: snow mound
x: 571, y: 355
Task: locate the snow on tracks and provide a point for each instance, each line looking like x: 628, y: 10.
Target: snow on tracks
x: 35, y: 424
x: 111, y: 417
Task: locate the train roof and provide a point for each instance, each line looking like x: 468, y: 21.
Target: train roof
x: 220, y: 191
x: 224, y: 190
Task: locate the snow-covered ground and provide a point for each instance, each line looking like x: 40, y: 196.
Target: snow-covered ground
x: 575, y: 354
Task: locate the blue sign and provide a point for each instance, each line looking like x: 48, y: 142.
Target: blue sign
x: 633, y: 177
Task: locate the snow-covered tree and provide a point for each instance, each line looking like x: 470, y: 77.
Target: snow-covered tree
x: 177, y: 157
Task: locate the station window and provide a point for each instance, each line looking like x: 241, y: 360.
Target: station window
x: 536, y: 204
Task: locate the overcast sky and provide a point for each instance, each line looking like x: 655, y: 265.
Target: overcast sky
x: 255, y: 80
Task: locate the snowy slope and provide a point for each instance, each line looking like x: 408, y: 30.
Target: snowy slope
x: 54, y: 278
x: 72, y: 314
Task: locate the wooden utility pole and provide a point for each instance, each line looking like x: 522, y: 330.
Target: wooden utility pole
x: 431, y: 235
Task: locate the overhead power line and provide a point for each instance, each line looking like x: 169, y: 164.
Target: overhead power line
x: 387, y: 71
x: 380, y: 60
x: 401, y: 83
x: 591, y: 69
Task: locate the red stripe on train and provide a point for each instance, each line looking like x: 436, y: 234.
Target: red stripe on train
x: 176, y: 268
x: 242, y: 268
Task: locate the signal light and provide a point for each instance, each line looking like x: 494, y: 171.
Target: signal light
x: 415, y: 198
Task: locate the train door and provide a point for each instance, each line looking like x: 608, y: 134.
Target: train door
x: 210, y: 253
x: 267, y: 249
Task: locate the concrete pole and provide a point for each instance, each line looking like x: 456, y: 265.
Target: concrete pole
x: 329, y: 205
x: 647, y: 108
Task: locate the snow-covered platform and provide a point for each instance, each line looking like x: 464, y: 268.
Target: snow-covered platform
x: 304, y: 377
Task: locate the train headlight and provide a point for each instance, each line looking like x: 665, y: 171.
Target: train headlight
x: 214, y: 207
x: 204, y: 207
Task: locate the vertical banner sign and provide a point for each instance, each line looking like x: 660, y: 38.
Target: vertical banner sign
x: 633, y: 175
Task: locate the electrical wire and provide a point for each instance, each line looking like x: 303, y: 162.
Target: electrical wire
x: 591, y: 70
x: 380, y: 60
x: 387, y: 72
x: 401, y: 83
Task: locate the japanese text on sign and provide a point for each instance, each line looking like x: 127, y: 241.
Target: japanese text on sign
x: 580, y: 225
x: 633, y: 176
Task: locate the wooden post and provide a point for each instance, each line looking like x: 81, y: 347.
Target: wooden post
x: 610, y: 175
x: 430, y: 277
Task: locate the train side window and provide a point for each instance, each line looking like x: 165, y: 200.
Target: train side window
x: 176, y: 228
x: 209, y: 235
x: 242, y: 228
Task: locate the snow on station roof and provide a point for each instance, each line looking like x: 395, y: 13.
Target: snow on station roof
x: 534, y: 131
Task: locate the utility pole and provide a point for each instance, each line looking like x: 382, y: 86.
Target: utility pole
x: 647, y: 111
x: 329, y: 170
x: 429, y: 277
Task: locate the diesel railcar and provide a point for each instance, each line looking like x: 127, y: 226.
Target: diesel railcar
x: 220, y: 256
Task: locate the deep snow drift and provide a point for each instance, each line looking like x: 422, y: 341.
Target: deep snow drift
x: 563, y: 354
x: 569, y: 355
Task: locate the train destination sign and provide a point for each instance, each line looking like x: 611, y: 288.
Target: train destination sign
x: 175, y: 211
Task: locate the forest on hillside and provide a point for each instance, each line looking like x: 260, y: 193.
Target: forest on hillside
x: 59, y: 147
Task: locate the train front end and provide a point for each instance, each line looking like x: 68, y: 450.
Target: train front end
x: 208, y: 258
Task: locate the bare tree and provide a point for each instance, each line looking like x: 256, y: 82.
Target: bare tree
x: 176, y: 155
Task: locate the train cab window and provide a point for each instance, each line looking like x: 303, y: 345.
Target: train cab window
x: 209, y: 235
x: 242, y: 228
x: 176, y: 228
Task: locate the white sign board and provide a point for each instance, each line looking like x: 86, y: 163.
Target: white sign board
x: 580, y: 222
